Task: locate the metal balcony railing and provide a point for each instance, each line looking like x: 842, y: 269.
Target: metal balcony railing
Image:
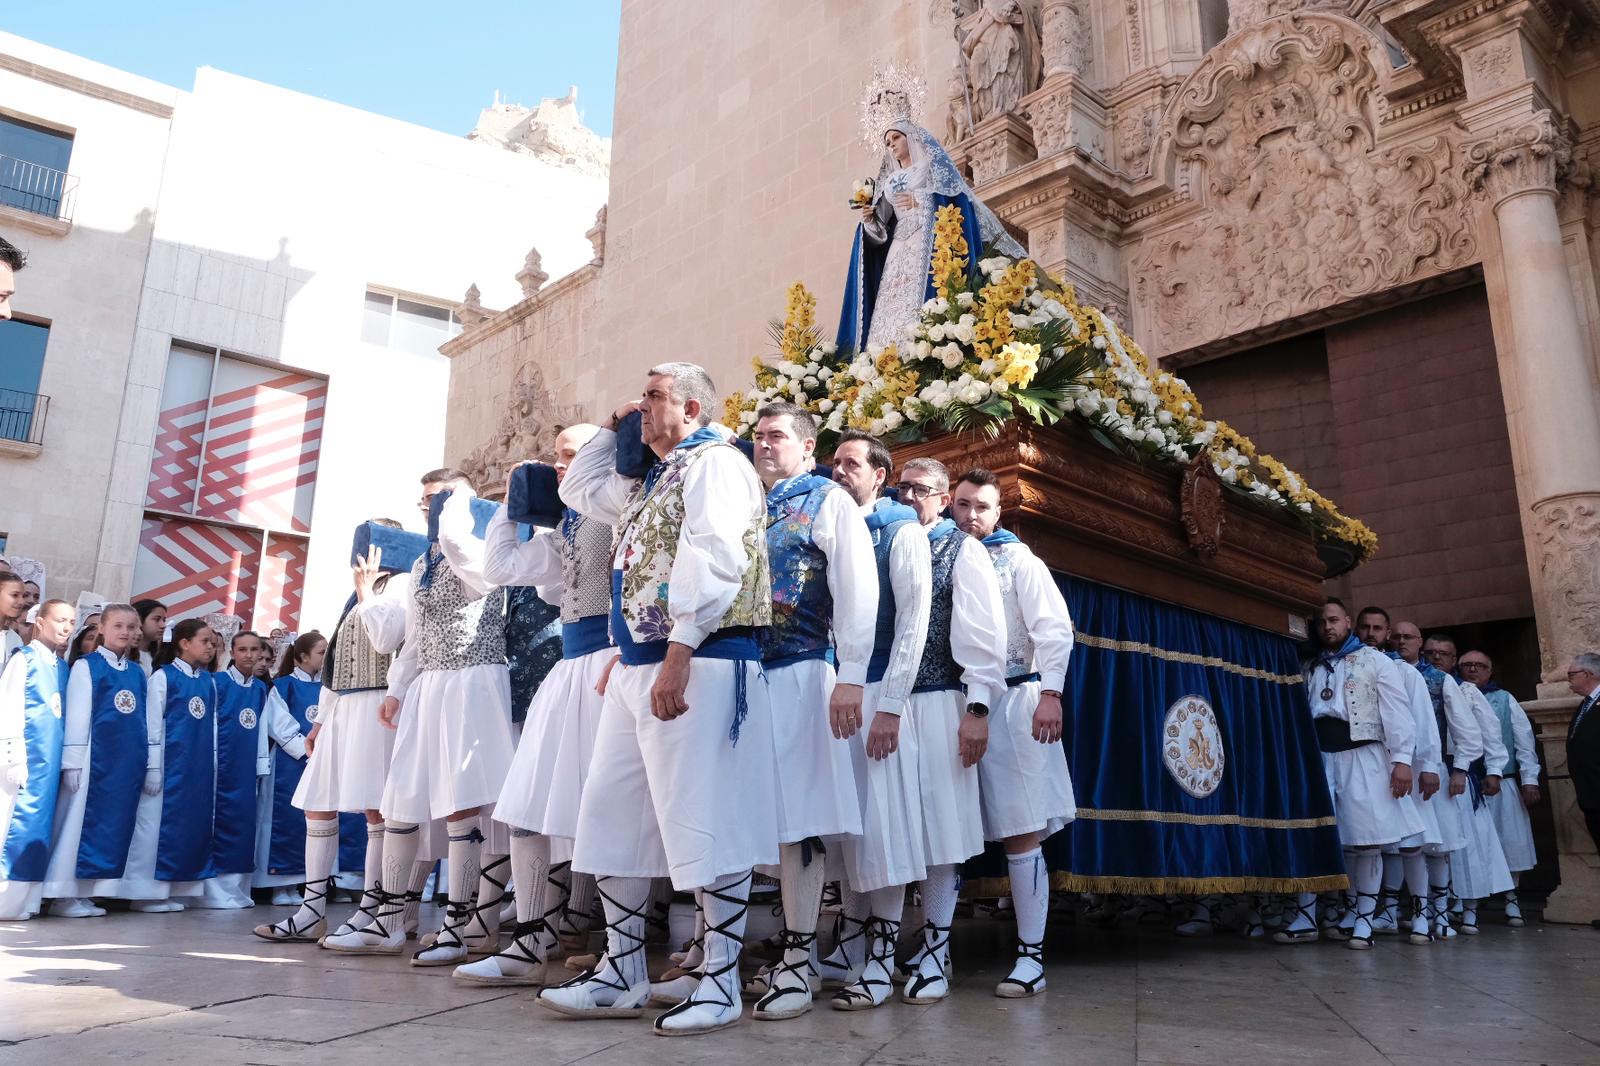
x: 37, y: 189
x: 22, y: 416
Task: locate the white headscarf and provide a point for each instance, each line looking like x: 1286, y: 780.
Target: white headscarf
x: 941, y: 176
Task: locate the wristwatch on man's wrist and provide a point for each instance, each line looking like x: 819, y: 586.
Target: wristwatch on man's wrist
x: 978, y: 710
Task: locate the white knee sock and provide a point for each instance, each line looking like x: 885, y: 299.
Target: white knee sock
x: 625, y: 900
x: 802, y: 887
x: 850, y: 941
x: 492, y: 881
x: 400, y: 841
x: 466, y: 846
x: 372, y: 875
x: 1030, y: 894
x: 530, y: 865
x: 322, y: 848
x: 939, y: 891
x: 1393, y: 874
x: 1366, y: 878
x: 580, y: 902
x: 726, y: 902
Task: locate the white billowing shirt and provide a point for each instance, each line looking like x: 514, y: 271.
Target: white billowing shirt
x: 278, y: 724
x: 842, y: 536
x: 719, y: 491
x: 1495, y: 755
x: 978, y: 624
x: 1044, y: 613
x: 1429, y: 755
x: 911, y: 579
x: 1394, y: 702
x: 538, y: 562
x: 1522, y: 740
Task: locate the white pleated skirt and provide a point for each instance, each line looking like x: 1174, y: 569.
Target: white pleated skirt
x: 1432, y: 835
x: 890, y: 850
x: 952, y: 817
x: 1368, y: 813
x: 1023, y: 786
x: 679, y: 799
x: 1515, y: 828
x: 545, y: 784
x: 1478, y: 869
x: 453, y: 745
x: 1448, y: 816
x: 18, y: 898
x: 812, y: 775
x: 365, y: 747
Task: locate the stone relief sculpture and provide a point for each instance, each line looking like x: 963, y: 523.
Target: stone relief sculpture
x: 528, y: 430
x: 1002, y: 57
x: 597, y: 236
x: 1279, y: 126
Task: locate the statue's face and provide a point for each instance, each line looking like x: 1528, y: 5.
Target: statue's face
x: 897, y: 144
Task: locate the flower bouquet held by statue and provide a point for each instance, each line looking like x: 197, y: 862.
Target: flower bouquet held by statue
x: 864, y: 192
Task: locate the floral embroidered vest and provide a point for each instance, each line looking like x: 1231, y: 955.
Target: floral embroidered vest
x: 648, y: 534
x: 1361, y: 694
x: 938, y: 671
x: 802, y: 603
x: 1019, y: 642
x: 884, y: 523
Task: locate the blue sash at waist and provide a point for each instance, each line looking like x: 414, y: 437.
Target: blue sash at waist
x: 810, y: 655
x: 954, y: 686
x: 1021, y: 679
x: 585, y: 636
x: 877, y: 666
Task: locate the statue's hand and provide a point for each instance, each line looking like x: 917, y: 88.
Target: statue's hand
x: 904, y: 201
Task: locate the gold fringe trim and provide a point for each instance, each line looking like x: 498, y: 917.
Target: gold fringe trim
x: 1183, y: 818
x: 1064, y: 881
x: 1186, y: 657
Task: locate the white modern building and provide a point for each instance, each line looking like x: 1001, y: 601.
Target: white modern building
x: 233, y: 306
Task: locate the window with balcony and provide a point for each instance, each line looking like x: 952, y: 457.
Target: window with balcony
x: 33, y: 169
x: 391, y: 321
x: 22, y: 409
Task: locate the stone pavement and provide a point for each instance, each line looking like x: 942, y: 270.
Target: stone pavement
x: 195, y: 987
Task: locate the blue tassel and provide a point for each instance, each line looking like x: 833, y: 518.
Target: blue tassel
x: 741, y: 699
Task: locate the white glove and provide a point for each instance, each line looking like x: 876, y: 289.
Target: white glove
x: 16, y: 776
x: 152, y: 782
x: 72, y: 780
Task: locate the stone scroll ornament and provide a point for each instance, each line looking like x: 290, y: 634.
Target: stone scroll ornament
x: 1278, y: 130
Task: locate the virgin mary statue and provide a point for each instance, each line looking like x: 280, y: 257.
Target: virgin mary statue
x: 889, y: 276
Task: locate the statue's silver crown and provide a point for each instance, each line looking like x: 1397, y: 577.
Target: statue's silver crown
x: 895, y: 93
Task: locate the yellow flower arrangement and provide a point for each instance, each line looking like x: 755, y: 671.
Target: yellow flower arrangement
x: 948, y: 267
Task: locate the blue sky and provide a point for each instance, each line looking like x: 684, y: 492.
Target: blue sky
x: 433, y: 64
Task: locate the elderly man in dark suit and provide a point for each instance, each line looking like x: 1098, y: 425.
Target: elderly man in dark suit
x: 1583, y: 741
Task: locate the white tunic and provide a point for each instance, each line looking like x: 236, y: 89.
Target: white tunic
x: 453, y: 745
x: 1479, y: 868
x: 1025, y: 786
x: 139, y: 876
x: 952, y: 817
x: 812, y: 774
x: 279, y: 727
x: 1358, y: 779
x: 16, y: 897
x: 1510, y: 813
x: 679, y: 798
x: 545, y: 783
x: 890, y: 850
x: 61, y: 880
x: 1427, y: 760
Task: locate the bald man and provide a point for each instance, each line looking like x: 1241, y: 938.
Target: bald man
x: 1510, y: 805
x: 570, y: 567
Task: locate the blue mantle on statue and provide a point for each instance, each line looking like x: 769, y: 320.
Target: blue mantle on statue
x: 1245, y: 806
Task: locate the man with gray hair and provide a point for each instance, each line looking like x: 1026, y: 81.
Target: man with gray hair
x: 1510, y: 805
x: 1583, y: 741
x: 679, y: 782
x: 962, y: 675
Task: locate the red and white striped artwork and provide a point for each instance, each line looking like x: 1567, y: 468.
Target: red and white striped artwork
x: 196, y: 568
x: 236, y: 443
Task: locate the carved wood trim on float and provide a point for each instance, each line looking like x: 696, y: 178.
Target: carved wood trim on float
x: 1093, y: 513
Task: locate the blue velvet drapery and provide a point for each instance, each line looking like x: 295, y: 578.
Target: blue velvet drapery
x: 1268, y: 826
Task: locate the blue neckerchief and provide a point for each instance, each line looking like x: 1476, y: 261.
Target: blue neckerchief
x: 703, y: 435
x: 1000, y: 536
x: 569, y: 522
x: 798, y: 485
x: 887, y: 512
x: 940, y: 529
x: 1328, y: 658
x: 1488, y: 687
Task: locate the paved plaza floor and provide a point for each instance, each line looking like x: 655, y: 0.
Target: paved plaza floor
x: 196, y: 988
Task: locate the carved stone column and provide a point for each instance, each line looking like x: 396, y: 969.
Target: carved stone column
x: 1518, y: 167
x: 1577, y: 898
x: 1064, y: 37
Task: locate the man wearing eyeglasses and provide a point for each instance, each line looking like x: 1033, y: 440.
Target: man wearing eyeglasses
x: 1510, y: 805
x: 1583, y: 741
x: 1478, y: 870
x: 962, y: 675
